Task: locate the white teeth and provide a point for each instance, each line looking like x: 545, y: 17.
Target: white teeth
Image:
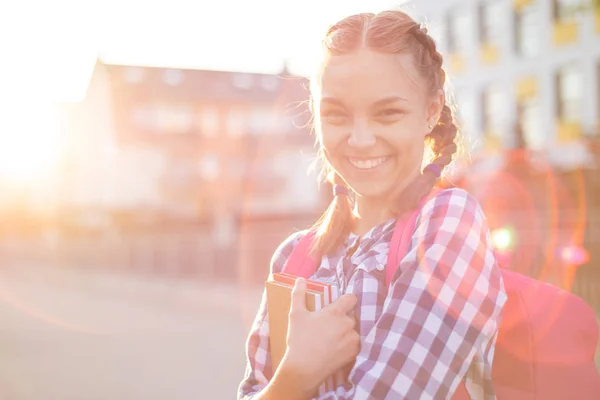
x: 367, y: 164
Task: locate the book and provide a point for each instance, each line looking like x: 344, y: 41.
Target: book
x: 279, y: 295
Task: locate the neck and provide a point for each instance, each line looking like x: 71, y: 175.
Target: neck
x: 369, y: 213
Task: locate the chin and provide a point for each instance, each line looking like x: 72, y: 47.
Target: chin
x: 371, y: 190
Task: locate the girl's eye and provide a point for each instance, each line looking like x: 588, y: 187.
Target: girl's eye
x: 391, y: 112
x: 334, y: 116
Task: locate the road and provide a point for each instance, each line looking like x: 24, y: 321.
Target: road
x: 90, y: 335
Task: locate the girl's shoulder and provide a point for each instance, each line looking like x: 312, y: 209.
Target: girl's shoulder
x: 452, y: 197
x: 454, y: 203
x: 283, y: 251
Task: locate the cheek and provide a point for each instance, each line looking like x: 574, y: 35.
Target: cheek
x: 414, y: 146
x: 331, y: 137
x: 409, y: 147
x: 417, y: 123
x: 406, y: 137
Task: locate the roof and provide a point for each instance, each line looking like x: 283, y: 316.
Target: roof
x: 207, y: 85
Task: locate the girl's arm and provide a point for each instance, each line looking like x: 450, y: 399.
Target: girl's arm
x: 258, y: 358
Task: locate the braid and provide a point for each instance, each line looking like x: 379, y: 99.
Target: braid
x: 429, y: 60
x: 337, y: 222
x: 442, y: 139
x: 421, y: 35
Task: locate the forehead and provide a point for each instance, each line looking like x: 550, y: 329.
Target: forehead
x: 367, y: 76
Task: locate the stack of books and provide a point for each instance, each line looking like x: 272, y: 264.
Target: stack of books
x: 279, y: 298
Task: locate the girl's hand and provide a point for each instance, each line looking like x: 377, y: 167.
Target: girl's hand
x: 319, y: 343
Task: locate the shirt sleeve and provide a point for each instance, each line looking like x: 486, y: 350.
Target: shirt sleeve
x: 443, y: 307
x: 258, y: 358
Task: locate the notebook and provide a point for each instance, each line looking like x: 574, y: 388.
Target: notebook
x: 279, y: 294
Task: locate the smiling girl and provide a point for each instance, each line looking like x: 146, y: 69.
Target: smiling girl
x: 379, y: 107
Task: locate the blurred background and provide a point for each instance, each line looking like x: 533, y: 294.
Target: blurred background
x: 154, y: 154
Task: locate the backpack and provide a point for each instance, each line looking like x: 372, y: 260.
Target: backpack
x: 547, y: 338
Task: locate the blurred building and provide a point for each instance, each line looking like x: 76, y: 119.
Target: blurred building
x: 525, y: 76
x: 189, y: 146
x: 522, y: 66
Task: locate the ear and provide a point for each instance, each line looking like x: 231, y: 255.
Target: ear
x: 434, y: 110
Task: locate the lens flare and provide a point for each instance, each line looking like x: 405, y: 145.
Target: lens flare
x: 502, y: 238
x: 574, y: 255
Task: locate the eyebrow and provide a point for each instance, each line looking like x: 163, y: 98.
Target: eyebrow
x: 378, y: 103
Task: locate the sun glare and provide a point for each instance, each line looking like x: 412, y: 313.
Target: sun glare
x: 30, y: 142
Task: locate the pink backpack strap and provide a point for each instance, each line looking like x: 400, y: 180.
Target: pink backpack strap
x: 403, y: 232
x: 401, y: 237
x: 299, y: 262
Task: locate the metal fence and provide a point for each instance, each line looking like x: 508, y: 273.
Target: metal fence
x: 193, y: 254
x: 173, y: 253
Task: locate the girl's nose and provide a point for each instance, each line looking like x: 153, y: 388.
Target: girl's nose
x: 361, y: 136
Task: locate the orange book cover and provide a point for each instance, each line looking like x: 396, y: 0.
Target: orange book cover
x: 316, y: 286
x: 279, y: 300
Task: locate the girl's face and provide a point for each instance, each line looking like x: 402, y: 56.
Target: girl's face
x: 373, y: 111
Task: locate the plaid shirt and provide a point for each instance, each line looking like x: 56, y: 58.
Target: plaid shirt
x: 436, y: 324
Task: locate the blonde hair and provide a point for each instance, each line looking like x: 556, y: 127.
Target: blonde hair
x: 390, y: 32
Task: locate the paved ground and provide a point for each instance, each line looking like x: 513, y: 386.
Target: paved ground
x: 81, y: 335
x: 92, y: 335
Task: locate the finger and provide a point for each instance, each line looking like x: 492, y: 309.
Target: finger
x: 349, y: 324
x: 351, y: 344
x: 343, y: 304
x: 298, y: 296
x: 341, y: 325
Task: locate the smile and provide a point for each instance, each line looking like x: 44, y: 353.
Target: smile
x: 369, y: 163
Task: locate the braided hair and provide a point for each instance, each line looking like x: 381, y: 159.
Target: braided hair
x: 442, y: 138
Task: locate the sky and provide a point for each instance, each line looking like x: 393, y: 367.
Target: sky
x: 49, y: 48
x: 52, y: 45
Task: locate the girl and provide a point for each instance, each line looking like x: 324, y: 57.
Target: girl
x: 380, y: 112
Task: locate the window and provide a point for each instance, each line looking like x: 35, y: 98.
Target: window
x: 458, y: 31
x: 527, y: 31
x: 564, y: 10
x: 173, y: 77
x: 173, y: 119
x: 568, y: 94
x: 261, y: 121
x: 134, y: 74
x: 269, y: 83
x: 565, y: 27
x: 209, y: 167
x: 529, y: 111
x: 208, y: 121
x: 285, y: 122
x: 597, y: 130
x: 236, y: 122
x: 163, y: 118
x: 466, y: 115
x: 143, y: 117
x: 494, y: 111
x: 490, y: 25
x: 242, y: 81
